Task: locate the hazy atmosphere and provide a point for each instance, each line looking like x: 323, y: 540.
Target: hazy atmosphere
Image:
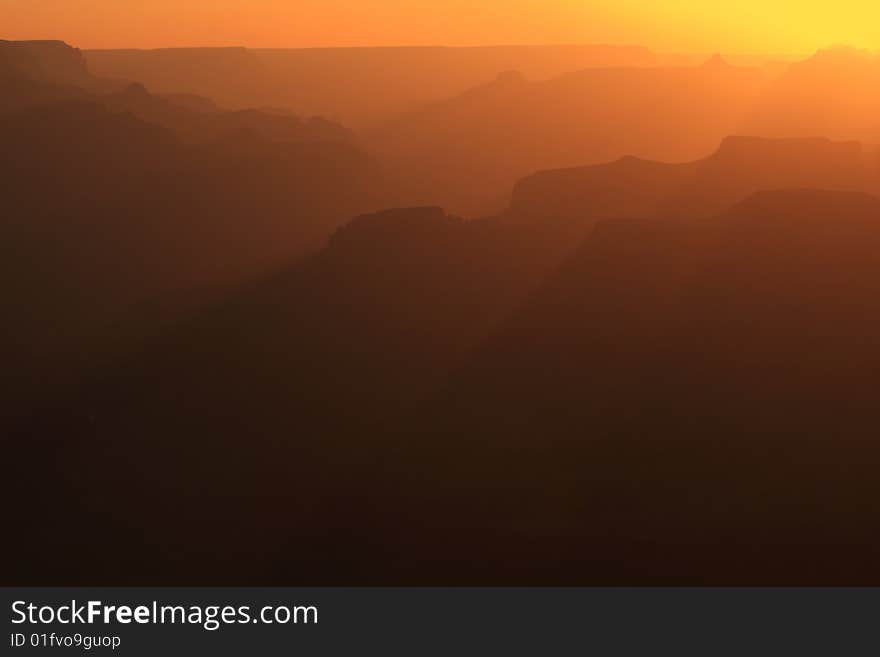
x: 382, y: 292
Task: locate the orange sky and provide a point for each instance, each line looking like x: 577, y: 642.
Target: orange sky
x: 767, y: 26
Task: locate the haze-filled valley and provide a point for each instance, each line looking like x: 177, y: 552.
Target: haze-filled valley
x: 496, y: 315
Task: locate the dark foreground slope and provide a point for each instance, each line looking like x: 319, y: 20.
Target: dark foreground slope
x: 684, y: 401
x: 259, y: 429
x: 687, y: 402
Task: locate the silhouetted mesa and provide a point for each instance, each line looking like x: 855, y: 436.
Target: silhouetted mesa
x: 632, y: 187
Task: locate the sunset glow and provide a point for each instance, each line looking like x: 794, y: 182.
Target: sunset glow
x: 460, y: 292
x: 747, y: 26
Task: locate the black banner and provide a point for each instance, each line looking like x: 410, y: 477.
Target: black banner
x: 414, y: 621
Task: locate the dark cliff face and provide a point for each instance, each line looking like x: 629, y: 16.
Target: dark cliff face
x: 45, y: 61
x: 35, y: 72
x: 119, y: 200
x: 393, y: 303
